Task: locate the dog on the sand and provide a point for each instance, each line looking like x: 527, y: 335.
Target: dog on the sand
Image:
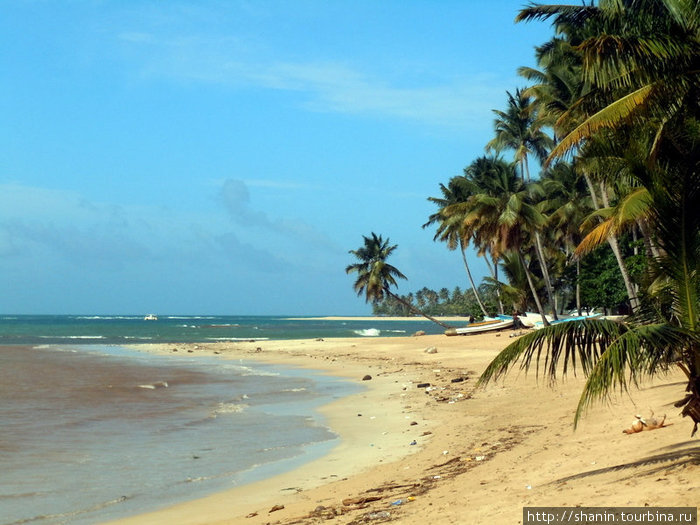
x: 640, y: 424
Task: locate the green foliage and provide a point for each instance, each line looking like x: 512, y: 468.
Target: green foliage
x: 628, y: 114
x: 601, y: 286
x: 442, y: 303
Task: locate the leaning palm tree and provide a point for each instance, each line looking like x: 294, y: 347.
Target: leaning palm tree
x: 375, y: 276
x: 642, y: 61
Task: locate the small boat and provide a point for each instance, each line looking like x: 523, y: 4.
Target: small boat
x: 540, y: 324
x: 529, y: 319
x: 151, y: 317
x: 488, y: 325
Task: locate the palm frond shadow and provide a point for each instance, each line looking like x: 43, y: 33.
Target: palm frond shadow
x: 661, y: 461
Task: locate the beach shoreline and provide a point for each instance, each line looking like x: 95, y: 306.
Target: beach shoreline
x: 510, y: 442
x: 447, y: 318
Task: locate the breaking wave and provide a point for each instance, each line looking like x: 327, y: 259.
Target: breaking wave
x: 368, y: 332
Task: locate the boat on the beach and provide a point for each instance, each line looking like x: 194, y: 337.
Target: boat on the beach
x: 540, y: 324
x: 487, y: 325
x: 151, y: 317
x: 529, y: 319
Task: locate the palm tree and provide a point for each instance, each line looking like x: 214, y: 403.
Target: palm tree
x: 450, y: 229
x: 375, y: 276
x: 501, y: 216
x: 519, y: 129
x: 559, y: 87
x: 641, y: 59
x: 569, y: 204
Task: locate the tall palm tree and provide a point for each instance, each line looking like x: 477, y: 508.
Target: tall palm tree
x: 519, y: 129
x: 642, y: 61
x: 375, y: 276
x: 569, y: 204
x: 501, y: 216
x: 450, y: 229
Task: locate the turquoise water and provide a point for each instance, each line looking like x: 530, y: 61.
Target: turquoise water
x: 126, y: 329
x: 93, y: 433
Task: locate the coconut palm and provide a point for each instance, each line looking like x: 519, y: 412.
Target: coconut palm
x: 569, y: 204
x: 641, y: 60
x: 519, y: 129
x: 559, y: 88
x: 375, y: 276
x: 450, y: 229
x: 641, y: 57
x: 501, y: 216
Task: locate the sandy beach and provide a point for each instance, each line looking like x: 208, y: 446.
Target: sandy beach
x: 450, y: 452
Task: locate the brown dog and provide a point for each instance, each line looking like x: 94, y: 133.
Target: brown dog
x: 640, y: 424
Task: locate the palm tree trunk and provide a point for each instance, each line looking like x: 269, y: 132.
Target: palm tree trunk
x: 612, y: 241
x: 498, y: 290
x: 527, y: 168
x: 415, y: 310
x: 494, y: 276
x: 540, y: 310
x: 614, y: 246
x: 578, y: 287
x: 649, y: 244
x: 591, y: 189
x: 471, y: 280
x: 545, y: 273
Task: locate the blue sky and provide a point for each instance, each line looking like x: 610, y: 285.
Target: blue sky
x: 223, y: 156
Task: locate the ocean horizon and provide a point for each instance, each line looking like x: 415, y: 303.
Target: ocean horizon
x: 135, y: 329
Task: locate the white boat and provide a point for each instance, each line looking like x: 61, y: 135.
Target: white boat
x: 540, y: 324
x: 151, y: 317
x: 488, y: 325
x: 529, y: 319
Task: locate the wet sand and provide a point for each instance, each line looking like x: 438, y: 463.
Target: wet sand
x: 479, y: 456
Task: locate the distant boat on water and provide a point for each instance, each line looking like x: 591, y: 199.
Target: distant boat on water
x: 151, y: 317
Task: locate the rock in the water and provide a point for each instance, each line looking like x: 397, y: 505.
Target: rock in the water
x: 419, y: 333
x: 367, y: 377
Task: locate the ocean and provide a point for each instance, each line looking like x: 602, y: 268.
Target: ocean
x: 91, y: 430
x: 132, y: 329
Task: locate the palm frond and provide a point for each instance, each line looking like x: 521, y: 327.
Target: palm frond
x: 569, y: 345
x: 608, y: 117
x: 641, y: 351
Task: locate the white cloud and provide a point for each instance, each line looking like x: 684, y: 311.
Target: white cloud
x: 329, y: 86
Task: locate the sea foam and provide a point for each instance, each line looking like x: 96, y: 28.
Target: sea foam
x: 368, y: 332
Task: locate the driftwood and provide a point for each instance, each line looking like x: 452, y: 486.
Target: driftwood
x: 360, y: 500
